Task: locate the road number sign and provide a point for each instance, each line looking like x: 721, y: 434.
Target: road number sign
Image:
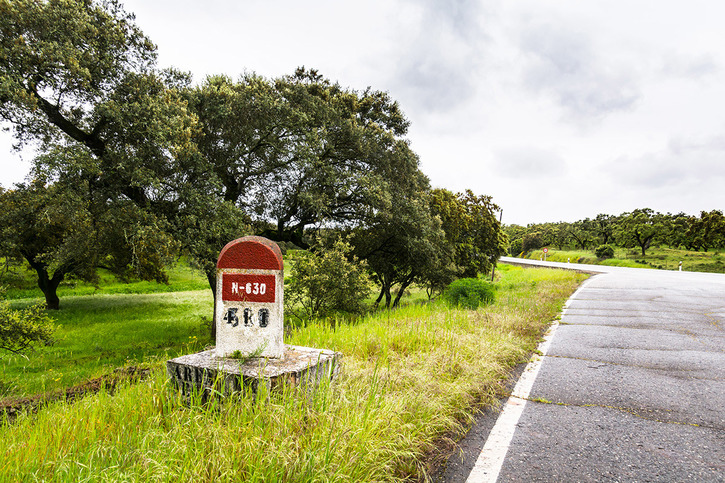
x: 248, y: 288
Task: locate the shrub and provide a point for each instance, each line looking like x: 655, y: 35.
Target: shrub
x: 516, y: 247
x: 469, y: 293
x: 604, y: 251
x: 532, y: 241
x: 326, y: 281
x: 22, y: 328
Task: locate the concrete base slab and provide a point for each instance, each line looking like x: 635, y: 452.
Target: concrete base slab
x: 303, y: 367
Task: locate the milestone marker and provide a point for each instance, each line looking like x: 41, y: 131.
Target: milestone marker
x: 249, y: 314
x: 249, y: 319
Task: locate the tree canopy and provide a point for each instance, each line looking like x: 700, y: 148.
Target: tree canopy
x: 640, y: 228
x: 471, y: 228
x: 138, y: 165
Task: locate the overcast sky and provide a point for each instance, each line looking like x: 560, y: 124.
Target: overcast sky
x: 560, y: 110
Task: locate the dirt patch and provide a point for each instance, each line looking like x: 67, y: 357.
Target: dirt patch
x: 12, y: 407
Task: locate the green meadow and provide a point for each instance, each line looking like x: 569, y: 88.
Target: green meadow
x: 412, y: 380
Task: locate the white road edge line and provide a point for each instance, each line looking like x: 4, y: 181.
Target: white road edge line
x: 489, y: 462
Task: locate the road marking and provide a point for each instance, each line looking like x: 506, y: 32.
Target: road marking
x: 489, y: 462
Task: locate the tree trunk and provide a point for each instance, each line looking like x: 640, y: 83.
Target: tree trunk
x: 52, y: 302
x: 211, y: 277
x: 403, y: 286
x: 48, y: 285
x: 380, y: 297
x: 646, y: 244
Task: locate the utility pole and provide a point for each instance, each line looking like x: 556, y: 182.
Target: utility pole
x: 493, y: 268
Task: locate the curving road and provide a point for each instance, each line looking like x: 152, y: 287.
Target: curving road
x: 631, y: 388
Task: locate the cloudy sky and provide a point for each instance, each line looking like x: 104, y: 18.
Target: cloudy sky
x: 560, y: 110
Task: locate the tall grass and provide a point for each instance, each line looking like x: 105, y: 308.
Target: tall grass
x: 411, y: 378
x: 99, y: 333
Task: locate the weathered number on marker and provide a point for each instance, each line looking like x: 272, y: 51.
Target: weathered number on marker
x: 231, y: 317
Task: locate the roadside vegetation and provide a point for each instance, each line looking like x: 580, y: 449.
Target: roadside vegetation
x: 411, y: 382
x: 661, y: 258
x: 642, y: 238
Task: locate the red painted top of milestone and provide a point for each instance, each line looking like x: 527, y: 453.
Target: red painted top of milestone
x: 251, y: 252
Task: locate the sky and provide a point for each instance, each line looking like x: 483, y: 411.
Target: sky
x: 559, y: 110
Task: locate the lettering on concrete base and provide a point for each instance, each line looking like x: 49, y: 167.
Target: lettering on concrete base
x: 238, y: 287
x: 193, y: 378
x: 263, y: 317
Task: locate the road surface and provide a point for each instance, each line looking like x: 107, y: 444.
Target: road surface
x: 631, y: 388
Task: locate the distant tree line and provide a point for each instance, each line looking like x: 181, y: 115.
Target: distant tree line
x: 139, y: 166
x: 639, y: 229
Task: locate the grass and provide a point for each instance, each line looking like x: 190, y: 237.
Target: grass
x: 412, y: 379
x: 22, y: 283
x: 98, y: 333
x: 662, y: 258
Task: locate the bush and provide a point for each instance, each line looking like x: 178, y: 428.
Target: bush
x: 516, y: 247
x: 22, y: 328
x: 532, y: 241
x: 324, y: 282
x: 469, y: 293
x: 604, y: 251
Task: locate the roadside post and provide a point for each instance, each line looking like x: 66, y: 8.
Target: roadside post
x: 493, y: 267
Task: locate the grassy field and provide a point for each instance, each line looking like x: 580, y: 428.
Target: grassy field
x: 412, y: 379
x: 101, y: 332
x: 23, y: 284
x: 662, y: 258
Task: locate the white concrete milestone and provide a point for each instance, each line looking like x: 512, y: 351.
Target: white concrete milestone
x: 249, y: 313
x: 249, y: 318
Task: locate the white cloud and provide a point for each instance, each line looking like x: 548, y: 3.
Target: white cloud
x: 682, y: 165
x: 585, y: 83
x: 698, y: 66
x: 528, y: 162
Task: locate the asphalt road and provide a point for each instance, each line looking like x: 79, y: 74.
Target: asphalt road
x: 632, y: 387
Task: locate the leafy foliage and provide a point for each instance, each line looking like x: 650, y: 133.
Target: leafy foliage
x: 52, y: 230
x: 581, y: 232
x: 163, y: 167
x: 471, y: 228
x: 59, y: 232
x: 80, y: 79
x: 404, y: 243
x: 21, y: 328
x: 299, y: 151
x: 326, y: 281
x: 641, y: 228
x: 470, y: 293
x: 604, y: 251
x: 532, y: 241
x: 707, y: 231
